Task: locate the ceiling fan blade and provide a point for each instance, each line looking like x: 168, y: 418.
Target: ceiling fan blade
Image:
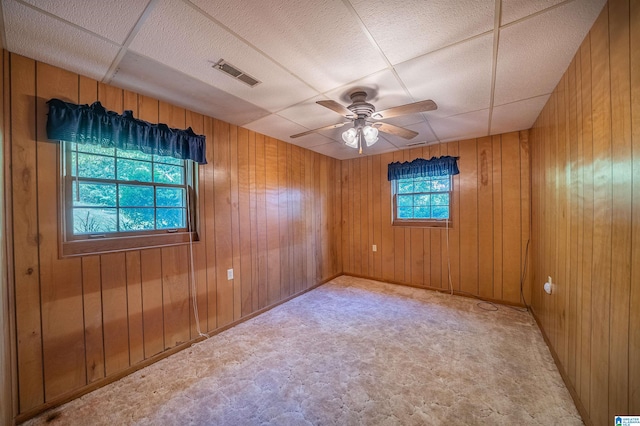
x: 308, y: 132
x: 336, y: 107
x: 413, y: 108
x: 395, y: 130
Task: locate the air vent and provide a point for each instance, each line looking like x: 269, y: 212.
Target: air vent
x: 234, y: 72
x: 416, y: 144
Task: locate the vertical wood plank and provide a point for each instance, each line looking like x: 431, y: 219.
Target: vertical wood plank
x: 244, y: 220
x: 377, y: 172
x: 356, y: 217
x: 386, y: 244
x: 572, y: 240
x: 622, y: 196
x: 511, y: 219
x: 485, y: 217
x: 175, y: 295
x: 253, y: 212
x: 468, y: 216
x: 93, y: 337
x: 114, y: 312
x: 310, y: 173
x: 273, y: 221
x: 283, y: 219
x: 24, y: 195
x: 261, y: 221
x: 496, y: 179
x: 152, y: 315
x: 587, y: 218
x: 602, y: 218
x: 134, y: 307
x: 60, y: 279
x: 634, y: 299
x: 210, y: 228
x: 222, y: 208
x: 235, y: 223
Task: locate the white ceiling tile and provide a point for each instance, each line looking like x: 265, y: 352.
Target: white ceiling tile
x: 311, y: 115
x: 110, y: 19
x: 463, y: 126
x: 518, y: 115
x: 424, y: 135
x: 512, y: 10
x: 534, y: 53
x: 281, y: 128
x: 383, y: 91
x: 409, y: 28
x: 457, y: 79
x: 39, y: 36
x: 148, y: 77
x: 336, y: 150
x: 319, y: 41
x: 179, y: 36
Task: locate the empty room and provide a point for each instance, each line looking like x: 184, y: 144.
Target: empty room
x: 339, y: 212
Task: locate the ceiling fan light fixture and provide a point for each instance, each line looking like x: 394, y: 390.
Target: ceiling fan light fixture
x: 370, y: 134
x: 350, y: 137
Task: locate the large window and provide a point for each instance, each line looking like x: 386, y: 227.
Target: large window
x: 117, y: 199
x: 422, y: 201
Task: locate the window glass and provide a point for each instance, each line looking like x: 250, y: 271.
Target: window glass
x: 421, y: 200
x: 115, y: 191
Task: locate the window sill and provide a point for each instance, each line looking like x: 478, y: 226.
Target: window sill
x: 134, y: 242
x: 423, y: 223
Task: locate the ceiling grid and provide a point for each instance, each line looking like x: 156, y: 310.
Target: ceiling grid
x: 489, y: 65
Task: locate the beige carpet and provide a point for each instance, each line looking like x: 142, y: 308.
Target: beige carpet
x: 351, y: 352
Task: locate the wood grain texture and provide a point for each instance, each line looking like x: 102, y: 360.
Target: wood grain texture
x: 25, y: 231
x: 419, y: 256
x: 584, y: 173
x: 634, y: 298
x: 267, y: 209
x: 60, y: 279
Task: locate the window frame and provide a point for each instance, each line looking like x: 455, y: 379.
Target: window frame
x: 87, y: 244
x: 423, y: 223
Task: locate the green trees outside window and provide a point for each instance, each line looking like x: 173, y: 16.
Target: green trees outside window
x: 111, y: 190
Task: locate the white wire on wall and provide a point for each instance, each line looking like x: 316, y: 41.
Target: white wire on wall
x: 194, y: 294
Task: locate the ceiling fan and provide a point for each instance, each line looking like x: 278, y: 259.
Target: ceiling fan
x: 363, y: 115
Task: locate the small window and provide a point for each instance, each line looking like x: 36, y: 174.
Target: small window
x: 115, y: 199
x: 422, y: 201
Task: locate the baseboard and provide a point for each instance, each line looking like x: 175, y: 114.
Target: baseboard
x: 69, y: 396
x: 565, y: 377
x: 440, y: 290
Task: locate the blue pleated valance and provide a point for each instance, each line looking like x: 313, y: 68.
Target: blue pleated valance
x: 97, y: 126
x: 420, y: 167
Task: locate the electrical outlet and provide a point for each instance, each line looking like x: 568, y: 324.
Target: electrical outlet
x: 374, y: 247
x: 230, y: 274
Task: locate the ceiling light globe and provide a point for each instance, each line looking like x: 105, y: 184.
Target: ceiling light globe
x: 370, y: 135
x: 349, y: 137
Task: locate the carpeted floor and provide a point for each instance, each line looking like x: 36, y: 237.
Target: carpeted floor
x: 351, y: 352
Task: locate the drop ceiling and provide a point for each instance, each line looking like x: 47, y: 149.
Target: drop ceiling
x: 489, y: 65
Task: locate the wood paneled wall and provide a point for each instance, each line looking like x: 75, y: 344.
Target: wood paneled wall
x: 269, y: 210
x: 491, y: 216
x: 6, y: 375
x: 586, y: 217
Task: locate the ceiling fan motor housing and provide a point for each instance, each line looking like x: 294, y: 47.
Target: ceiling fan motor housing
x: 359, y: 106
